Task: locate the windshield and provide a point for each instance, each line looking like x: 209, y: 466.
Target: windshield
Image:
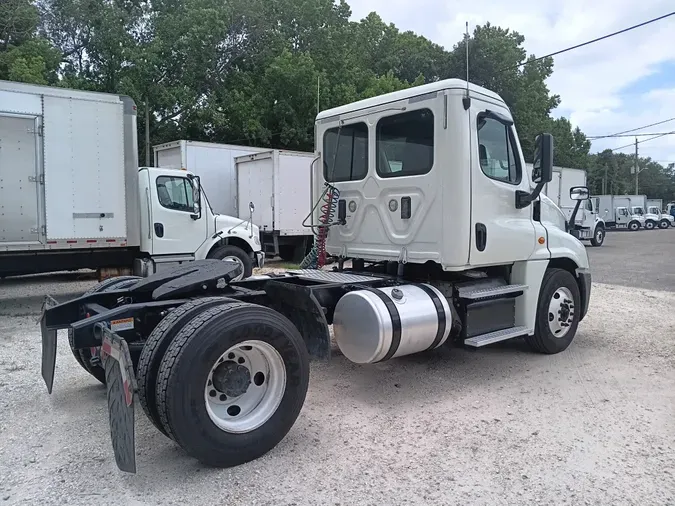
x: 654, y: 210
x: 638, y: 211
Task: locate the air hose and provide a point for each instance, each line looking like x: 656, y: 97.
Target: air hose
x: 316, y: 258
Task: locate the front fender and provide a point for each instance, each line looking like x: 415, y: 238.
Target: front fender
x: 233, y: 238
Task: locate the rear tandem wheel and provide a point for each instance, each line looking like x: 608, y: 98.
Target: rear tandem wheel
x: 230, y: 383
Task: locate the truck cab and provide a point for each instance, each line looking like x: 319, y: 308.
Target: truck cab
x: 664, y: 220
x: 179, y: 225
x: 651, y: 220
x: 627, y: 218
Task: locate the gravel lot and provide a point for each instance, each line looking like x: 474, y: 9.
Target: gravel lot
x: 593, y: 425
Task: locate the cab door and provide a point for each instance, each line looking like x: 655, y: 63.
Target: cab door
x: 501, y: 233
x: 175, y: 228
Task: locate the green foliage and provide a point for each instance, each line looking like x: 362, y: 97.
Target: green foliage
x: 255, y: 71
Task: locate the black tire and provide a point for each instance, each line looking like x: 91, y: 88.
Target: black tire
x: 222, y: 252
x: 634, y: 225
x: 543, y: 340
x: 84, y: 356
x: 186, y: 366
x: 154, y: 348
x: 664, y: 224
x: 598, y: 236
x: 650, y: 225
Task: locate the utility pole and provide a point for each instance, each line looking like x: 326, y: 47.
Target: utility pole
x: 637, y: 171
x: 604, y: 182
x: 147, y: 134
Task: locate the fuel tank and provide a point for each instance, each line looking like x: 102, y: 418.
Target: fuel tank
x: 377, y: 324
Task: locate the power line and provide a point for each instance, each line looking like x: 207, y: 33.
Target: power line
x: 640, y: 142
x: 629, y: 135
x: 631, y: 130
x: 592, y: 41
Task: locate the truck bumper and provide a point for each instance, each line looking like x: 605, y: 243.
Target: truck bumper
x: 585, y: 290
x: 259, y: 259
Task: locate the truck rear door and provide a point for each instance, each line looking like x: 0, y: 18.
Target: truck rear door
x: 20, y: 186
x: 255, y: 183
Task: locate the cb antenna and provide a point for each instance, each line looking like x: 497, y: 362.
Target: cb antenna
x: 467, y: 99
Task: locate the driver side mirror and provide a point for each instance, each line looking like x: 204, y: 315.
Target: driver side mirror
x: 579, y: 193
x: 196, y: 198
x: 542, y: 168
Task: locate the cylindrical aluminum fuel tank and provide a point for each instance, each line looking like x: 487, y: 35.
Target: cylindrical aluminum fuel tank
x: 377, y: 324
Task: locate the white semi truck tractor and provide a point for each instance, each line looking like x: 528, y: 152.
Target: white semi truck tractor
x: 443, y: 238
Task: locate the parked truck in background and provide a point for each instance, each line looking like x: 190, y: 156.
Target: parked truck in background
x: 639, y: 207
x: 617, y: 212
x: 72, y: 195
x: 277, y: 182
x: 587, y: 223
x: 442, y: 236
x: 655, y: 207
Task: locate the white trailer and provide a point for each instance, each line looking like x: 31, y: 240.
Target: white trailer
x: 213, y: 163
x: 278, y: 183
x: 587, y: 223
x: 72, y: 195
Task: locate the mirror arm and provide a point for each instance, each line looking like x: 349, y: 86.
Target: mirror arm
x: 524, y: 199
x: 573, y: 220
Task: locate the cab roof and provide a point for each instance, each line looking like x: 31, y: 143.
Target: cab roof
x: 447, y: 84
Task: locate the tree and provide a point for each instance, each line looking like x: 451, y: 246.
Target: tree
x: 24, y: 56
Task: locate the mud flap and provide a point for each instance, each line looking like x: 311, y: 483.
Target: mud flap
x: 48, y: 345
x: 121, y: 386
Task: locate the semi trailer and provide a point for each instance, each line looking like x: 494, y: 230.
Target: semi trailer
x: 72, y: 195
x: 588, y: 223
x: 221, y: 366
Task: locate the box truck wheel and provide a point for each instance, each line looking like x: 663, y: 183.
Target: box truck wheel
x: 232, y: 383
x: 664, y: 224
x: 650, y: 225
x: 234, y: 254
x: 598, y: 236
x: 89, y: 358
x: 558, y: 312
x: 155, y: 347
x: 634, y: 225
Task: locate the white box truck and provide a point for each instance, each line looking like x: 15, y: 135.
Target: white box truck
x: 618, y: 212
x: 639, y: 207
x: 213, y: 163
x: 278, y: 184
x: 655, y: 207
x: 588, y: 224
x: 72, y: 195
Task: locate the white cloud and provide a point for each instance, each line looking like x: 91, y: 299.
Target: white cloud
x: 613, y: 85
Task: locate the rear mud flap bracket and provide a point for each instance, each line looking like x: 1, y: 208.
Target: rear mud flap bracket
x: 48, y: 345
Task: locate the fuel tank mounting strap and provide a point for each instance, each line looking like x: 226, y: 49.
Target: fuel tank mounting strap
x: 395, y: 321
x: 440, y: 312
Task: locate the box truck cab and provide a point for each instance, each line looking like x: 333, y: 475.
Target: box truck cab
x: 652, y: 220
x: 178, y: 225
x: 665, y: 220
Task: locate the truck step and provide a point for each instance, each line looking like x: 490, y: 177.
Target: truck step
x: 495, y: 337
x: 495, y: 292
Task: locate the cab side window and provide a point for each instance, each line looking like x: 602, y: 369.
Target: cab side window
x: 175, y: 193
x: 497, y: 152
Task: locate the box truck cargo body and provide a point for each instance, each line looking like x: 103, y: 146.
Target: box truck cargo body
x: 213, y: 163
x: 278, y: 183
x: 72, y: 195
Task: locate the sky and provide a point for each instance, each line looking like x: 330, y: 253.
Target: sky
x: 614, y: 85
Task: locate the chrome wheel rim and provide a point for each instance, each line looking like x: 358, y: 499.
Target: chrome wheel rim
x: 245, y: 387
x: 561, y: 312
x: 598, y: 235
x: 241, y: 265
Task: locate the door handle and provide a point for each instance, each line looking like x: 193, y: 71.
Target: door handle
x: 159, y: 230
x: 481, y: 236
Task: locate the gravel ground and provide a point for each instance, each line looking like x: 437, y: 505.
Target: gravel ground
x: 593, y: 425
